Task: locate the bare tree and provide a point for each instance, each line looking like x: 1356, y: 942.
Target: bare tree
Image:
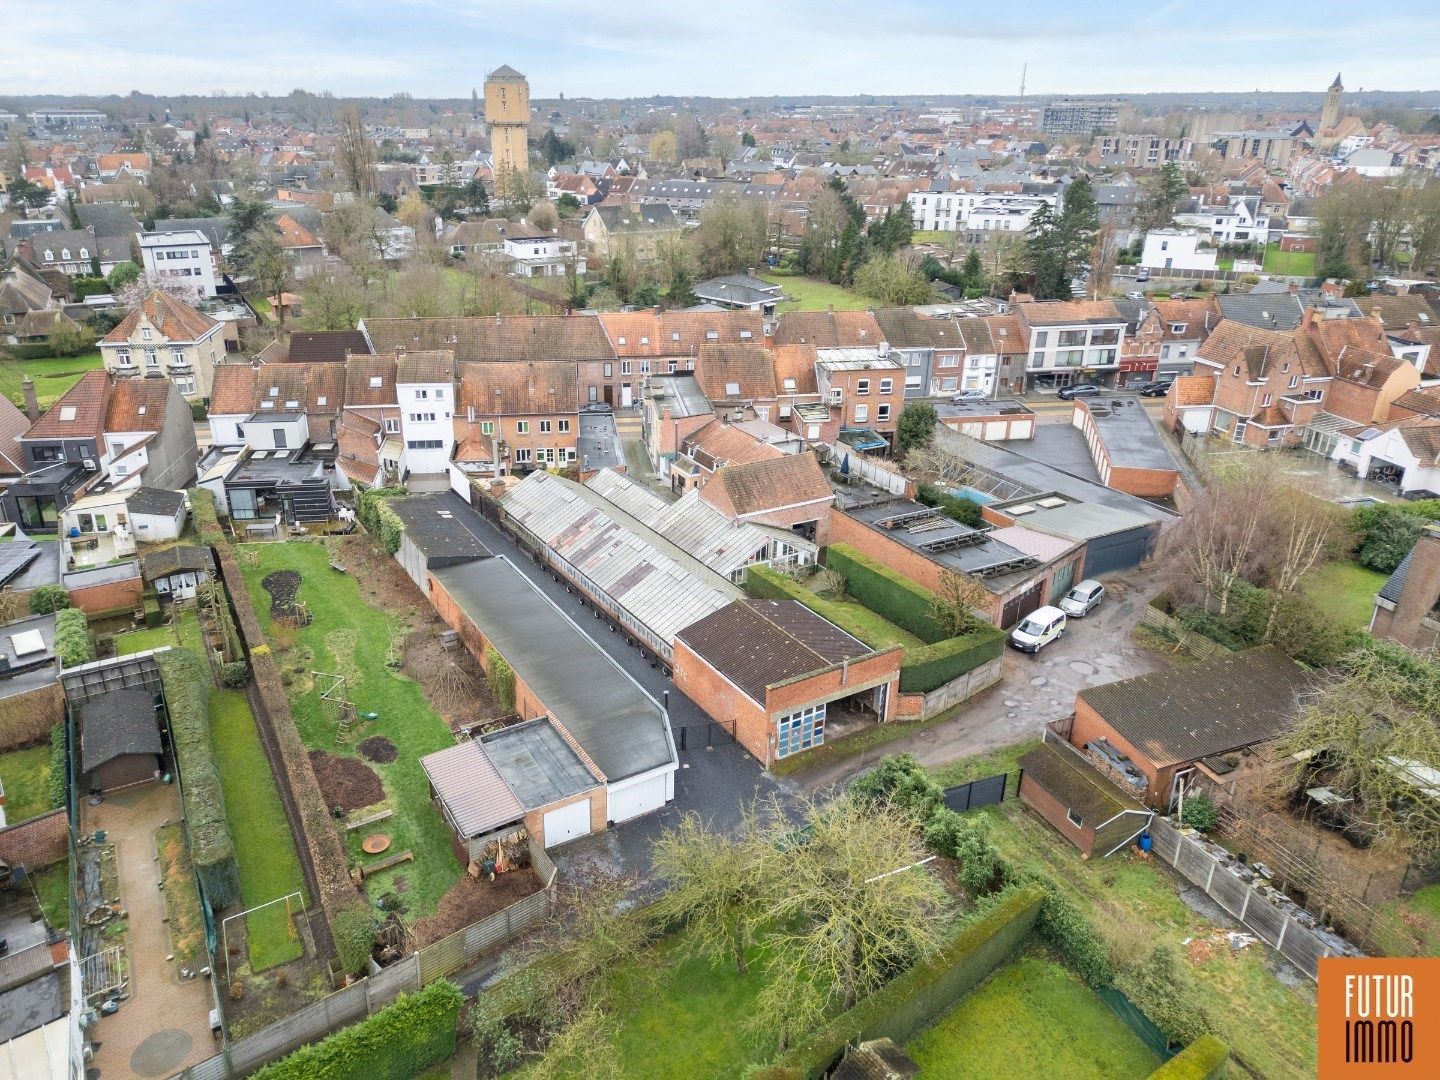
x: 960, y: 604
x: 1219, y: 543
x: 543, y: 215
x: 355, y: 154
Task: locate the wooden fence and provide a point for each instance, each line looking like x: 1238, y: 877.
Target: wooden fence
x: 383, y: 985
x: 1197, y: 645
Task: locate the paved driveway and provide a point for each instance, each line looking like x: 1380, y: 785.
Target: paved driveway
x: 714, y: 781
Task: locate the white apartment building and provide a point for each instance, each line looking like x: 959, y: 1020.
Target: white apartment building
x: 1071, y: 341
x: 425, y: 388
x: 958, y: 211
x: 543, y: 256
x: 182, y: 258
x: 1178, y: 249
x: 1240, y: 222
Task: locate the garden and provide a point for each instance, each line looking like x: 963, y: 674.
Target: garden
x: 363, y: 718
x: 52, y: 376
x: 813, y: 294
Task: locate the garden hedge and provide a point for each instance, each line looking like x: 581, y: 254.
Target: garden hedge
x: 400, y: 1041
x: 59, y: 778
x: 207, y: 524
x: 187, y: 697
x: 935, y: 665
x: 48, y: 599
x: 884, y: 591
x: 381, y: 522
x: 912, y: 1001
x: 72, y: 638
x: 1203, y: 1059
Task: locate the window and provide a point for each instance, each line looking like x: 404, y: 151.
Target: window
x: 177, y: 356
x: 862, y: 386
x: 1071, y: 337
x: 145, y: 333
x: 1074, y: 819
x: 644, y: 367
x: 64, y: 253
x: 862, y: 414
x: 522, y: 455
x: 421, y: 417
x: 376, y: 381
x: 439, y: 393
x: 1177, y: 327
x: 887, y: 386
x: 487, y: 427
x: 1265, y: 401
x: 800, y: 730
x: 422, y: 394
x: 563, y: 426
x: 123, y: 357
x: 949, y: 360
x: 426, y: 444
x: 1294, y: 381
x: 392, y: 425
x: 788, y: 385
x: 624, y: 367
x: 522, y: 427
x: 946, y: 385
x: 882, y: 411
x: 544, y: 427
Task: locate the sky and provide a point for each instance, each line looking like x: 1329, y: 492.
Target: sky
x: 722, y: 48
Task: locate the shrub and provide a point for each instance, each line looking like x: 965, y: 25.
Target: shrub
x: 964, y: 838
x: 400, y: 1041
x: 1164, y: 989
x: 235, y: 675
x: 1388, y: 531
x: 379, y: 520
x: 965, y: 511
x: 905, y: 603
x: 500, y: 677
x: 48, y: 599
x: 187, y: 698
x: 900, y: 780
x: 72, y: 638
x: 1073, y: 936
x: 353, y: 928
x: 1203, y: 1059
x: 1200, y: 813
x: 59, y: 780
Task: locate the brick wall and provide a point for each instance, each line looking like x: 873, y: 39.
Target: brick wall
x: 1353, y: 400
x: 38, y: 842
x: 723, y: 701
x: 535, y: 819
x: 1054, y: 811
x: 1090, y: 725
x: 1412, y: 621
x: 111, y: 597
x: 1145, y: 483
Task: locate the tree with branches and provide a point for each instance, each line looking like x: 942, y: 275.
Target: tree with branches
x: 355, y: 153
x: 960, y: 604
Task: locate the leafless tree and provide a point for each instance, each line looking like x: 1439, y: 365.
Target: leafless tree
x: 960, y: 603
x: 355, y: 154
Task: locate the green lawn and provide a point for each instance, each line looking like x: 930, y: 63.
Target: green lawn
x: 348, y: 636
x: 25, y: 776
x: 53, y: 886
x: 1419, y: 916
x: 1288, y: 263
x: 811, y: 294
x: 264, y: 847
x: 182, y: 630
x: 1032, y: 1019
x: 1345, y: 591
x: 53, y: 376
x: 1268, y: 1024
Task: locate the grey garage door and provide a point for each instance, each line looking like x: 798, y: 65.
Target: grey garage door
x: 1122, y: 551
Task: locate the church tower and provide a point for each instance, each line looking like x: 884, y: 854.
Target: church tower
x: 1330, y: 115
x: 507, y: 111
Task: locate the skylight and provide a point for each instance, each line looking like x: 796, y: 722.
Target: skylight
x: 27, y: 643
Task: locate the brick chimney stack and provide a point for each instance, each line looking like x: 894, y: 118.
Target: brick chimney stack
x: 32, y: 404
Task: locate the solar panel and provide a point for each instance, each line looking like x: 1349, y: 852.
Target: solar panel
x: 15, y: 557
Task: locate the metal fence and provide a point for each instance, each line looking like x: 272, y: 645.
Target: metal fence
x: 382, y: 986
x: 1261, y: 909
x: 977, y: 793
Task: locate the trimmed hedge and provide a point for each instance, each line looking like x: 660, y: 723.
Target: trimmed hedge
x: 400, y: 1041
x: 48, y: 599
x: 935, y: 665
x: 1203, y: 1059
x: 501, y: 679
x: 904, y: 602
x: 72, y: 638
x: 912, y: 1001
x: 59, y: 779
x: 187, y: 697
x: 379, y: 520
x: 207, y: 523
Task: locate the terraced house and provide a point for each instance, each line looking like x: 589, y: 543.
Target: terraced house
x: 515, y: 417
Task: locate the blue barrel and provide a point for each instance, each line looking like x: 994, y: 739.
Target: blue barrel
x: 1146, y: 842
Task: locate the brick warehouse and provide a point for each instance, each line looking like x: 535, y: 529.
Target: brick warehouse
x: 781, y: 677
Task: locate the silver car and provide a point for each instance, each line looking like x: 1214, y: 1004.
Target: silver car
x: 1082, y: 598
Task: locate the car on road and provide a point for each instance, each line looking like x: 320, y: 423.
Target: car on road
x: 1038, y: 629
x: 968, y: 395
x: 1137, y: 295
x: 1157, y: 388
x: 1082, y: 599
x: 1084, y: 389
x: 1144, y: 275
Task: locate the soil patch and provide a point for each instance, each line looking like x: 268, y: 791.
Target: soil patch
x: 378, y: 749
x: 284, y: 589
x: 453, y: 681
x: 471, y: 900
x: 345, y: 782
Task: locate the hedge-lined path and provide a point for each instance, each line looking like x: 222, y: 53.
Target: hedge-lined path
x: 1034, y: 690
x: 164, y: 1025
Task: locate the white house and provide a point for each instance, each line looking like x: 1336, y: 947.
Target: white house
x: 425, y: 387
x: 543, y: 256
x: 1408, y: 445
x: 183, y: 258
x: 1375, y: 163
x: 1238, y: 223
x: 1177, y: 249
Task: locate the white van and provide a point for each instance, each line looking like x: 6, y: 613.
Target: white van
x: 1081, y: 600
x: 1038, y: 629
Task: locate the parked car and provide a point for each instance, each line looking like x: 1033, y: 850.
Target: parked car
x: 1137, y: 295
x: 1038, y: 629
x: 968, y: 395
x: 1082, y: 599
x: 1157, y: 388
x: 1084, y: 389
x: 1144, y: 275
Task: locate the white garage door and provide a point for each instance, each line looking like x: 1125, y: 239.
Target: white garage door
x: 633, y: 799
x: 567, y: 823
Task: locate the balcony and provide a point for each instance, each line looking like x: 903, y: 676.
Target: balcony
x: 126, y: 371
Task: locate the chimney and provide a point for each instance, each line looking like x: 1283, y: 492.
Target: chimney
x: 1294, y: 289
x: 1375, y: 314
x: 1314, y: 317
x: 32, y: 404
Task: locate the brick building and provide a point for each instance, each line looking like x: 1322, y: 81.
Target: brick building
x: 527, y: 411
x: 1085, y: 809
x: 779, y: 677
x: 789, y: 492
x: 1407, y: 608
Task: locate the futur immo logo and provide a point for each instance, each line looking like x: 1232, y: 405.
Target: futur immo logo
x: 1379, y: 1017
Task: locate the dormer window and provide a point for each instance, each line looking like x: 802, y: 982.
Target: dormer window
x: 292, y: 404
x: 49, y: 255
x: 64, y: 253
x: 675, y: 336
x: 267, y: 405
x: 644, y: 341
x: 789, y: 386
x: 712, y: 335
x: 620, y: 340
x: 320, y: 401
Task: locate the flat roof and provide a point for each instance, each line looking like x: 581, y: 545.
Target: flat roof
x: 947, y: 542
x: 28, y: 670
x: 1071, y: 519
x: 1129, y: 435
x: 431, y: 525
x: 537, y: 762
x: 621, y: 728
x: 680, y: 392
x: 599, y: 441
x: 1007, y: 407
x: 291, y: 466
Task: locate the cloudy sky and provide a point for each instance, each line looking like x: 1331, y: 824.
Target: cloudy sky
x: 631, y: 48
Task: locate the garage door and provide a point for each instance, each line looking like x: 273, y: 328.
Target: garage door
x: 567, y: 823
x: 640, y: 797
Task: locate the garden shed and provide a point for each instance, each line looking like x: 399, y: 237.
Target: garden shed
x: 120, y: 741
x: 176, y: 572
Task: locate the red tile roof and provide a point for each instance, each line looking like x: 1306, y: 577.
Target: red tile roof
x: 79, y: 414
x: 173, y: 318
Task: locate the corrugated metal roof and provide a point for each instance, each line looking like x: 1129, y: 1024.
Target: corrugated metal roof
x: 1040, y: 545
x: 475, y: 795
x: 663, y: 588
x: 691, y: 524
